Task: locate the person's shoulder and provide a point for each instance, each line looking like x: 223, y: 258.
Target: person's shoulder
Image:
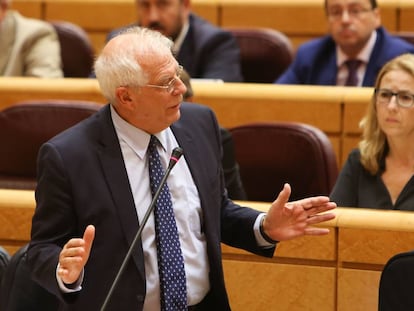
x: 314, y: 49
x: 354, y: 157
x: 393, y: 42
x: 188, y: 107
x: 32, y: 25
x: 317, y: 44
x: 202, y: 26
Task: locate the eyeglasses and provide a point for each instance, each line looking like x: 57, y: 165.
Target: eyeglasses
x: 403, y: 98
x: 335, y: 14
x: 170, y: 86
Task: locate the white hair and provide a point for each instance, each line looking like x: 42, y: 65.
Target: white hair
x: 119, y: 62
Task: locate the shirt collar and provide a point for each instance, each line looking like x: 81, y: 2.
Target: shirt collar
x: 363, y: 56
x: 180, y: 39
x: 134, y: 137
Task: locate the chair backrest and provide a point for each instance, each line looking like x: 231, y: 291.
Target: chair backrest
x: 25, y: 126
x: 76, y: 49
x: 396, y: 283
x: 273, y: 153
x: 18, y: 292
x: 265, y: 53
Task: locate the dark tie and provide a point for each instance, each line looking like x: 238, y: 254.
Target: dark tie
x: 352, y: 65
x: 170, y: 259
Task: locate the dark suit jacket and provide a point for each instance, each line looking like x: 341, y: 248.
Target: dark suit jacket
x: 207, y: 51
x: 82, y: 180
x: 315, y: 61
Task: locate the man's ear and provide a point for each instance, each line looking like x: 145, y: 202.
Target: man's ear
x: 124, y: 97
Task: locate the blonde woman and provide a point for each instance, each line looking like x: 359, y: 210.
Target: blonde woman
x: 379, y: 173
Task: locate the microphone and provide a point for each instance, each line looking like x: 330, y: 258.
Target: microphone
x: 175, y: 156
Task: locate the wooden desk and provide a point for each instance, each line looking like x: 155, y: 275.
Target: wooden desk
x: 339, y: 271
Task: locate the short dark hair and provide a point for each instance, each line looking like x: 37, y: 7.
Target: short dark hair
x: 374, y: 4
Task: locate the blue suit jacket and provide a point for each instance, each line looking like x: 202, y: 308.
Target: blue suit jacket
x: 315, y: 61
x: 82, y: 180
x: 207, y: 51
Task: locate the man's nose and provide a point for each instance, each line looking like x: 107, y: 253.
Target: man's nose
x: 153, y: 13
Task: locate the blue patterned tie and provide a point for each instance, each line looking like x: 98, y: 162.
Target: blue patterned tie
x: 170, y: 259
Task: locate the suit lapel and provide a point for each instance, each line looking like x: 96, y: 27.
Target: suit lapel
x: 185, y: 139
x: 118, y: 184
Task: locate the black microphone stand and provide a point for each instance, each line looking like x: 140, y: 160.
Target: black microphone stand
x: 176, y: 154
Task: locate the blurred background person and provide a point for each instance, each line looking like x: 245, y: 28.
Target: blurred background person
x: 29, y: 47
x: 204, y: 50
x: 353, y: 52
x: 379, y: 173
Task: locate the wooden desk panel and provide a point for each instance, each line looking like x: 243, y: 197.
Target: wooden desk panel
x: 355, y: 102
x: 99, y: 17
x: 358, y: 290
x: 16, y: 211
x: 271, y: 286
x: 13, y: 90
x: 348, y: 143
x: 92, y: 15
x: 371, y: 237
x: 341, y: 273
x: 236, y: 103
x: 281, y: 15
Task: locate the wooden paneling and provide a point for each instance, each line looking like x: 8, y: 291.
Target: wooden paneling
x: 16, y: 211
x: 283, y: 287
x: 406, y: 15
x: 357, y: 290
x: 355, y: 102
x: 276, y: 14
x: 13, y: 90
x: 28, y: 8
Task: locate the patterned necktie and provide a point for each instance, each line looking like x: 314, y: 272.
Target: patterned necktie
x: 170, y: 259
x: 352, y: 65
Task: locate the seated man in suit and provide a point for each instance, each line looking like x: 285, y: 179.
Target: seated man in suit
x: 29, y: 47
x: 205, y: 51
x: 357, y: 43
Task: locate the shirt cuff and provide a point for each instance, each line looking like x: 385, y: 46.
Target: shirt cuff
x: 260, y: 239
x: 75, y: 287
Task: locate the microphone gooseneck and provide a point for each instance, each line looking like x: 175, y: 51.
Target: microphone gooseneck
x: 175, y: 156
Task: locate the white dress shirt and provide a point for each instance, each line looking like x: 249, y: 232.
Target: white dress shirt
x: 186, y: 203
